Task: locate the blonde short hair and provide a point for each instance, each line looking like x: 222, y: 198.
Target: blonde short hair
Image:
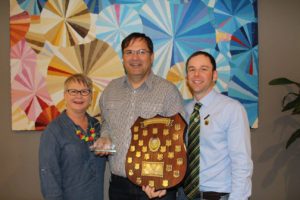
x: 79, y: 78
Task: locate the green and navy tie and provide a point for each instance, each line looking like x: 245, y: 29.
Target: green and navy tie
x: 191, y: 183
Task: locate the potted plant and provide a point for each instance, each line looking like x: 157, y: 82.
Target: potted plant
x: 291, y: 101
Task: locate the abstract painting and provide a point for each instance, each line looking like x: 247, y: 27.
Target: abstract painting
x: 52, y: 39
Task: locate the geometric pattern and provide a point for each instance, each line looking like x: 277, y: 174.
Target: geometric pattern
x: 115, y: 22
x: 29, y: 92
x: 19, y: 25
x: 95, y: 59
x: 65, y: 23
x: 177, y: 31
x: 34, y: 7
x: 51, y: 39
x: 177, y: 76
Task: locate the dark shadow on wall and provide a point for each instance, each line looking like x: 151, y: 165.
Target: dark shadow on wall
x: 292, y: 176
x: 284, y: 159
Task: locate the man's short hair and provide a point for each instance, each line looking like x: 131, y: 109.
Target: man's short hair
x: 133, y: 36
x: 197, y: 53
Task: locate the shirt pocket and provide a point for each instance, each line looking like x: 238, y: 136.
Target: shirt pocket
x: 213, y: 131
x: 148, y: 110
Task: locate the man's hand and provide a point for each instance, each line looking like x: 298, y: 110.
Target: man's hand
x: 102, y: 143
x: 151, y: 193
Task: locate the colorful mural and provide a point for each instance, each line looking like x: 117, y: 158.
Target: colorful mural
x: 51, y: 39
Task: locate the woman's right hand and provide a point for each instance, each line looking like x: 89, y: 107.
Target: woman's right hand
x: 102, y: 144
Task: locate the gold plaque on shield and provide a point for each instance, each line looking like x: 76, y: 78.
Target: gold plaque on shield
x: 157, y: 154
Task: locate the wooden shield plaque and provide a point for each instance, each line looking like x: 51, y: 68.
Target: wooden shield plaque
x: 157, y: 154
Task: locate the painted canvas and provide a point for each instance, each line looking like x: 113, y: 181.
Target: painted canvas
x: 52, y: 39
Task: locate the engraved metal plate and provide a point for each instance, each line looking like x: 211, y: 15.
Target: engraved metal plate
x: 157, y: 154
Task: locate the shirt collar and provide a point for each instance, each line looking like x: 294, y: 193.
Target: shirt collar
x: 67, y: 118
x: 148, y: 83
x: 205, y: 101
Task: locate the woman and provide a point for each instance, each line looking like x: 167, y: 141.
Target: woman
x: 68, y: 169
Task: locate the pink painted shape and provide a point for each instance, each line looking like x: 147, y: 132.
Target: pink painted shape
x: 117, y: 9
x: 21, y: 56
x: 102, y: 82
x: 225, y: 22
x: 27, y: 87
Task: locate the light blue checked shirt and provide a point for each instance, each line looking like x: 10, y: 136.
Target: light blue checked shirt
x: 225, y: 149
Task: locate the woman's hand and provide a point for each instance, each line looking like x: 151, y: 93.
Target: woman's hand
x: 102, y: 144
x: 151, y: 193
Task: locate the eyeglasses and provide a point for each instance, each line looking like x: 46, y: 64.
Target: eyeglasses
x: 74, y: 92
x: 140, y: 52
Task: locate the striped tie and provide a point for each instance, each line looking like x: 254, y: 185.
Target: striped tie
x: 191, y: 183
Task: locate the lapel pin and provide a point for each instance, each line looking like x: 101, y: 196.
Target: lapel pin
x: 206, y: 121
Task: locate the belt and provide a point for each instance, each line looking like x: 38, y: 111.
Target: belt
x: 212, y: 195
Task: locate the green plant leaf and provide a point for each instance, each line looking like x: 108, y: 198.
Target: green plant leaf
x: 292, y: 104
x: 293, y: 137
x: 290, y: 101
x: 282, y: 81
x: 296, y: 111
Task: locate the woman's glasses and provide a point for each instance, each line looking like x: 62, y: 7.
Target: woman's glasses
x: 74, y: 92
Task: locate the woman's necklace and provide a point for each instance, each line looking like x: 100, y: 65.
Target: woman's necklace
x: 86, y: 138
x: 89, y: 137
